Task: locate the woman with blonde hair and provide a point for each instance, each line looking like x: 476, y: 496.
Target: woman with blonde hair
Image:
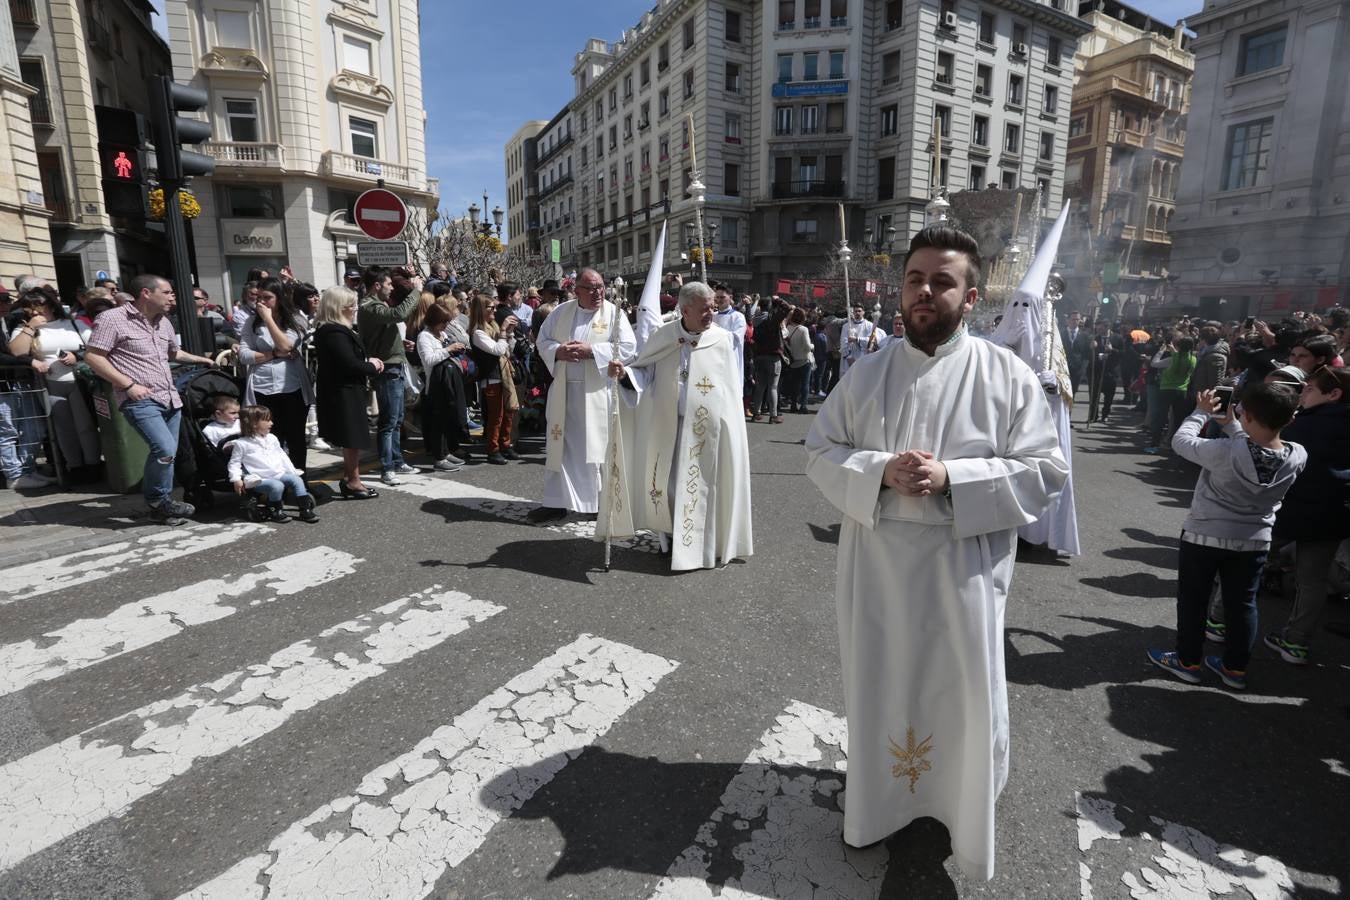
x: 491, y: 350
x: 341, y: 393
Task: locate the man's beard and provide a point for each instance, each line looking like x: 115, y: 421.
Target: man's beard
x: 941, y: 326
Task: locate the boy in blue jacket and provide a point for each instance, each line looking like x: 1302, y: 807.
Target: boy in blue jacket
x: 1243, y: 478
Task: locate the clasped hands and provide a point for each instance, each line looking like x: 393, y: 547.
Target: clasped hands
x: 915, y: 473
x: 573, y: 351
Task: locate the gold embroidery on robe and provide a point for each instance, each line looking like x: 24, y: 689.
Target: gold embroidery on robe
x: 912, y: 758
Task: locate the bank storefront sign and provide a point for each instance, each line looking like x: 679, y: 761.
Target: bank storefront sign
x: 253, y: 237
x: 809, y: 88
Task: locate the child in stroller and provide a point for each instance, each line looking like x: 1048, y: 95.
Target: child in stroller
x: 210, y: 421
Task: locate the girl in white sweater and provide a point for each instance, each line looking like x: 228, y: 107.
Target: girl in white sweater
x: 260, y: 466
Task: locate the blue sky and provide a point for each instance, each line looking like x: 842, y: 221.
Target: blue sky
x: 488, y: 67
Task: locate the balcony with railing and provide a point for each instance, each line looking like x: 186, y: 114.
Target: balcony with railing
x: 1128, y: 137
x: 554, y: 186
x: 59, y: 208
x: 1162, y: 144
x: 39, y: 110
x: 555, y: 148
x: 814, y: 187
x: 364, y: 168
x: 23, y: 12
x: 251, y: 154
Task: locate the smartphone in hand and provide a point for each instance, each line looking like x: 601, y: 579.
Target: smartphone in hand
x: 1223, y: 400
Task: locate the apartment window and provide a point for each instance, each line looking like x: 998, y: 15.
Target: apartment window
x: 810, y: 67
x: 731, y: 179
x: 663, y: 102
x: 986, y: 28
x: 1077, y: 126
x: 733, y: 78
x: 663, y: 148
x: 782, y: 120
x: 688, y: 180
x: 984, y: 80
x: 585, y: 155
x: 1012, y: 138
x: 262, y: 202
x: 835, y: 114
x: 53, y: 185
x: 241, y: 117
x: 1050, y: 106
x: 890, y: 67
x: 805, y: 229
x: 807, y: 169
x: 646, y: 159
x: 942, y: 115
x: 1043, y: 187
x: 613, y: 137
x: 836, y: 65
x: 1262, y: 50
x: 356, y: 55
x: 890, y: 120
x: 1008, y: 179
x: 1047, y: 145
x: 838, y: 13
x: 946, y: 68
x: 886, y: 178
x: 787, y: 15
x: 644, y: 243
x: 811, y: 17
x: 613, y: 99
x: 979, y: 131
x: 363, y: 137
x: 809, y: 119
x: 599, y: 111
x: 628, y: 127
x: 730, y: 234
x: 628, y: 171
x: 733, y: 26
x: 627, y: 87
x: 1248, y: 154
x: 646, y: 196
x: 684, y: 133
x: 893, y: 14
x: 1054, y: 52
x: 585, y: 121
x: 599, y: 147
x: 733, y: 128
x: 784, y: 68
x: 1019, y: 35
x: 663, y: 56
x: 232, y: 29
x: 1015, y: 90
x: 645, y: 72
x: 645, y: 114
x: 688, y: 83
x: 689, y: 24
x: 976, y: 178
x: 665, y: 189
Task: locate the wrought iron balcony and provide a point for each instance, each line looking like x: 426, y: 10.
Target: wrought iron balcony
x: 815, y: 187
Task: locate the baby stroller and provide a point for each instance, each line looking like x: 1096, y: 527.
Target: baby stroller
x: 202, y: 466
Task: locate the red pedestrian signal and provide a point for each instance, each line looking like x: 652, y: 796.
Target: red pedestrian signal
x: 125, y: 168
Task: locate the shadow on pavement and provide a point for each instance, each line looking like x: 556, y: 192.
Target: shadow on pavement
x: 1136, y: 584
x: 1158, y: 557
x: 1082, y: 660
x: 828, y: 534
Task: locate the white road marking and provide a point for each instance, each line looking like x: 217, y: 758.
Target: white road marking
x: 511, y: 508
x: 1190, y: 865
x: 133, y: 626
x: 395, y: 840
x: 49, y: 575
x: 60, y: 789
x: 780, y: 831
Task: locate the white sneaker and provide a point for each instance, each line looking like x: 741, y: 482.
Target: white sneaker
x: 32, y: 480
x: 318, y: 443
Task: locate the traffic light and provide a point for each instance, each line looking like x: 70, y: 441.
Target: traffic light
x: 121, y: 139
x: 172, y: 131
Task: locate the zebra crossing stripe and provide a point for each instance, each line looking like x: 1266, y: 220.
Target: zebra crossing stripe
x: 139, y: 624
x: 511, y: 508
x: 50, y: 575
x: 430, y: 809
x: 780, y: 831
x: 53, y: 793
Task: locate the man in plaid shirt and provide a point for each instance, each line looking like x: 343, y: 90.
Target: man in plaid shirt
x: 131, y: 348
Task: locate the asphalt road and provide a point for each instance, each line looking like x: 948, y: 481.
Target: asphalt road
x: 425, y: 695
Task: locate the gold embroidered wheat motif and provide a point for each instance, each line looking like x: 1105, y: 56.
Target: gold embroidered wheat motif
x: 912, y: 759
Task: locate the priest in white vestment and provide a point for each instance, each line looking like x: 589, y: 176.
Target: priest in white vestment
x: 684, y: 468
x: 730, y: 319
x: 576, y: 342
x: 1028, y: 329
x: 936, y: 449
x: 858, y: 338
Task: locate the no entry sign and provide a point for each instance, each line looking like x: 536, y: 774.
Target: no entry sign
x: 381, y: 214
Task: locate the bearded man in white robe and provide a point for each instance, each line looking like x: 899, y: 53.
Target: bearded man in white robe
x: 858, y: 338
x: 729, y: 319
x: 576, y: 343
x: 685, y: 464
x: 935, y: 451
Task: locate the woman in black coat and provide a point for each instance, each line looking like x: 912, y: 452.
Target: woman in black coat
x: 340, y: 396
x: 1314, y: 514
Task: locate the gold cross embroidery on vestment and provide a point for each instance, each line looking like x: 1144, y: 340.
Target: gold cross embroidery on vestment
x: 556, y: 432
x: 705, y: 385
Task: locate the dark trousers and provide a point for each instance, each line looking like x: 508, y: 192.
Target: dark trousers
x: 832, y: 372
x: 1239, y: 579
x: 289, y: 412
x: 1105, y: 396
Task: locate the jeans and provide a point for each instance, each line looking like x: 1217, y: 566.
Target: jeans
x: 158, y: 425
x: 272, y: 489
x: 767, y: 369
x: 389, y: 397
x: 1239, y: 578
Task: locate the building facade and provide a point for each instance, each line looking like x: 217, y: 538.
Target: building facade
x: 554, y: 152
x: 311, y: 103
x: 1262, y: 223
x: 1127, y: 133
x: 522, y: 193
x: 788, y: 109
x: 75, y: 55
x: 25, y: 238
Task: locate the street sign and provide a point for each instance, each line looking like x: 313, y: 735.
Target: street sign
x: 381, y: 253
x: 555, y: 250
x: 101, y: 275
x: 380, y: 214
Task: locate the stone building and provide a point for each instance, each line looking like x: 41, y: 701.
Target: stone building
x: 554, y: 151
x: 25, y: 239
x: 311, y: 103
x: 1262, y: 224
x: 522, y: 192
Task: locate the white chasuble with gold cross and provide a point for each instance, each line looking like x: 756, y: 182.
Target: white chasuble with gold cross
x: 922, y: 581
x: 685, y: 465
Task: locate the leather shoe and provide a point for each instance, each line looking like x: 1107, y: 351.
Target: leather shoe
x: 350, y: 493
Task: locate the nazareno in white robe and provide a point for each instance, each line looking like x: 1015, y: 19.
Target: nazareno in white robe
x: 576, y: 434
x: 922, y: 581
x: 683, y: 472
